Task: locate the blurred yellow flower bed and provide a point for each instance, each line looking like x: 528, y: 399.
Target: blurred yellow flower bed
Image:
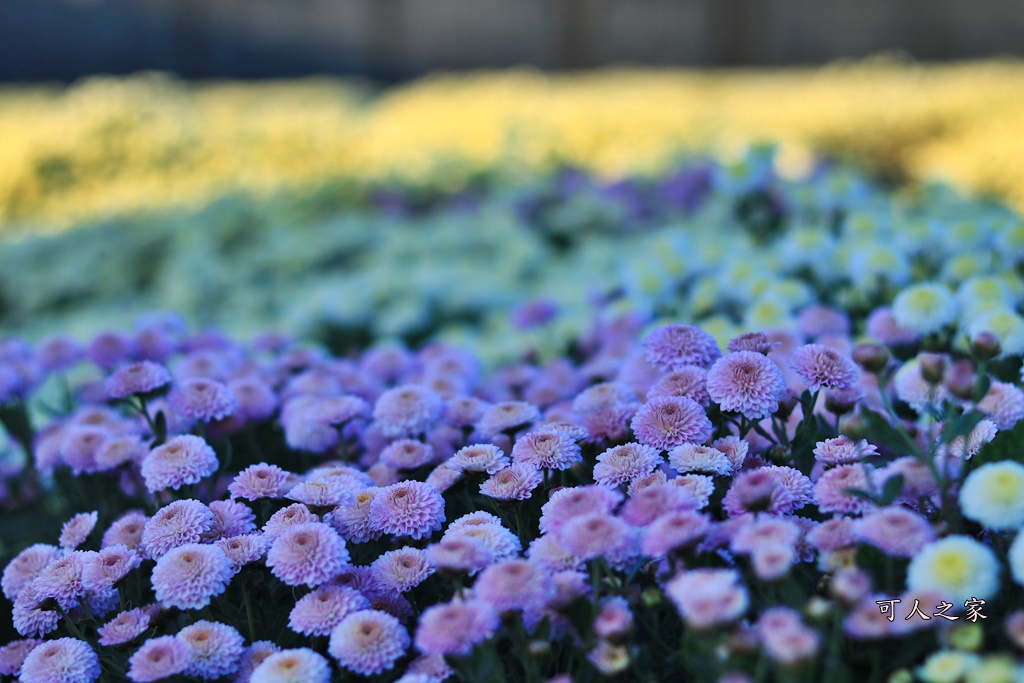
x: 106, y: 146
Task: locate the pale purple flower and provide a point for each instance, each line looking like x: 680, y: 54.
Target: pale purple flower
x: 758, y: 490
x: 548, y: 552
x: 454, y: 628
x: 748, y: 383
x: 174, y: 525
x: 352, y: 518
x: 254, y: 655
x: 299, y: 665
x: 833, y: 534
x: 671, y: 531
x: 77, y: 529
x: 64, y: 660
x: 401, y: 570
x: 464, y: 411
x: 255, y: 398
x: 13, y: 654
x: 895, y: 531
x: 831, y: 491
x: 244, y: 549
x: 515, y: 482
x: 547, y: 449
x: 763, y: 531
x: 842, y: 451
x: 109, y: 349
x: 689, y: 381
x: 513, y: 585
x: 59, y: 353
x: 443, y: 478
x: 691, y: 458
x: 182, y: 460
x: 81, y: 445
x: 652, y: 502
x: 120, y: 450
x: 507, y: 416
x: 850, y: 585
x: 758, y: 342
x: 460, y: 553
x: 320, y: 492
x: 202, y: 399
x: 62, y: 578
x: 614, y: 619
x: 259, y: 481
x: 215, y: 649
x: 796, y: 482
x: 26, y: 616
x: 317, y: 613
x: 287, y: 517
x: 670, y: 421
x: 124, y: 628
x: 1003, y: 403
x: 823, y: 367
x: 368, y: 642
x: 502, y: 543
x: 189, y: 576
x: 157, y: 659
x: 230, y: 518
x: 310, y: 553
x: 622, y: 464
x: 407, y: 410
x: 408, y: 508
x: 671, y: 347
x: 602, y: 396
x: 784, y: 636
x: 699, y: 486
x: 648, y: 480
x: 598, y: 535
x: 142, y: 377
x: 881, y: 326
x: 126, y: 530
x: 707, y: 598
x: 481, y: 457
x: 105, y: 569
x: 564, y: 504
x: 866, y: 621
x: 407, y: 454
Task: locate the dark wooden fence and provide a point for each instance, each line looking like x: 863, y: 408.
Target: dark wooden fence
x: 393, y: 39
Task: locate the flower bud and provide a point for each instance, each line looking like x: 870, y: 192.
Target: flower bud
x: 959, y: 379
x: 872, y: 357
x: 841, y: 401
x: 933, y: 366
x: 985, y: 346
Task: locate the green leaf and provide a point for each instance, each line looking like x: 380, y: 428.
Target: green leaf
x: 891, y: 489
x: 860, y: 493
x: 161, y: 428
x: 961, y: 425
x: 884, y: 434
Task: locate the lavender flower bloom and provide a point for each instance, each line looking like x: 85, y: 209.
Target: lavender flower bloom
x: 513, y: 585
x: 189, y: 576
x: 734, y: 448
x: 142, y: 377
x: 105, y: 569
x: 842, y: 451
x: 285, y: 518
x: 408, y: 508
x: 174, y: 525
x: 407, y: 410
x: 707, y: 598
x: 64, y: 660
x: 673, y: 530
x: 257, y: 653
x: 124, y: 628
x: 109, y: 349
x: 76, y: 530
x: 895, y: 531
x: 567, y: 503
x: 401, y: 570
x: 310, y: 553
x: 454, y: 628
x: 230, y: 518
x: 28, y: 619
x: 13, y: 654
x: 506, y: 417
x: 748, y: 383
x: 671, y: 347
x: 758, y: 490
x: 598, y: 535
x: 501, y: 541
x: 126, y: 530
x: 669, y: 421
x: 300, y: 665
x: 259, y: 481
x: 202, y: 399
x: 690, y: 381
x: 822, y: 367
x: 256, y: 399
x: 622, y: 464
x: 368, y: 642
x: 757, y: 342
x: 547, y: 449
x: 317, y: 613
x: 352, y: 518
x: 689, y: 458
x: 244, y: 549
x: 59, y: 353
x: 181, y: 460
x: 215, y: 649
x: 1004, y: 403
x: 548, y: 553
x: 481, y: 457
x: 80, y: 446
x: 460, y: 553
x: 62, y: 578
x: 830, y: 492
x: 157, y: 659
x: 534, y: 313
x: 25, y: 566
x: 407, y: 454
x: 516, y: 482
x: 118, y: 451
x: 652, y: 502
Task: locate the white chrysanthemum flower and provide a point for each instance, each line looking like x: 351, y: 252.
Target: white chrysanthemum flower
x: 924, y: 308
x: 968, y: 447
x: 960, y: 267
x: 957, y: 567
x: 1005, y: 324
x: 947, y: 666
x: 872, y: 264
x: 768, y: 313
x: 993, y: 495
x: 983, y: 290
x: 1016, y: 557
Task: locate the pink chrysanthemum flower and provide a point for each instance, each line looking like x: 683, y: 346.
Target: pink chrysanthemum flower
x: 62, y: 578
x: 28, y: 619
x: 673, y: 346
x: 215, y: 649
x: 850, y: 585
x: 202, y: 399
x: 187, y: 577
x: 126, y: 530
x: 259, y: 481
x: 174, y: 525
x: 59, y: 353
x: 757, y: 342
x: 691, y: 458
x: 230, y: 518
x: 796, y: 482
x: 602, y: 396
x: 598, y: 535
x: 299, y: 665
x: 120, y: 450
x: 64, y: 660
x: 654, y: 501
x: 368, y: 642
x: 758, y: 490
x: 833, y: 534
x: 547, y: 449
x: 137, y: 378
x: 502, y: 542
x: 670, y: 421
x: 608, y: 424
x: 515, y: 482
x: 408, y: 508
x: 911, y: 387
x: 460, y: 553
x: 336, y: 410
x: 80, y: 447
x: 690, y: 381
x: 26, y: 566
x: 615, y: 619
x: 352, y: 518
x: 407, y: 410
x: 13, y: 654
x: 254, y: 655
x: 866, y: 621
x: 564, y: 504
x: 548, y: 552
x: 671, y: 531
x: 507, y: 416
x: 244, y: 549
x: 443, y: 478
x: 317, y: 613
x: 109, y: 349
x: 968, y: 447
x: 707, y: 598
x: 831, y: 491
x: 895, y: 531
x: 320, y: 492
x: 881, y: 326
x: 622, y: 464
x: 255, y: 398
x: 184, y: 459
x: 784, y: 636
x: 842, y: 451
x: 456, y: 627
x: 764, y: 531
x: 481, y: 457
x: 105, y: 569
x: 401, y: 570
x: 699, y: 486
x: 823, y: 367
x: 124, y: 628
x: 464, y: 411
x: 648, y: 480
x: 286, y: 518
x: 77, y: 529
x: 748, y: 383
x: 513, y: 585
x: 1003, y: 403
x: 407, y: 454
x: 157, y: 659
x: 310, y: 554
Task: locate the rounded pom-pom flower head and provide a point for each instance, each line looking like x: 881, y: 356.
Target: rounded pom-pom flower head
x: 214, y: 648
x: 407, y: 410
x: 408, y: 508
x: 514, y: 585
x: 181, y: 522
x: 748, y: 383
x: 189, y: 576
x: 671, y: 347
x: 26, y: 565
x: 516, y: 482
x: 957, y: 567
x: 924, y: 308
x: 547, y: 449
x: 64, y: 660
x: 691, y: 458
x: 454, y: 628
x: 368, y: 642
x: 158, y: 659
x: 300, y: 665
x: 622, y: 464
x: 259, y: 481
x: 481, y: 457
x: 77, y: 529
x: 823, y: 367
x: 707, y: 598
x: 669, y: 421
x: 307, y: 554
x: 317, y: 613
x: 137, y: 378
x: 202, y: 399
x: 993, y: 495
x: 124, y: 628
x: 507, y: 416
x: 757, y: 342
x: 112, y: 564
x: 181, y: 460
